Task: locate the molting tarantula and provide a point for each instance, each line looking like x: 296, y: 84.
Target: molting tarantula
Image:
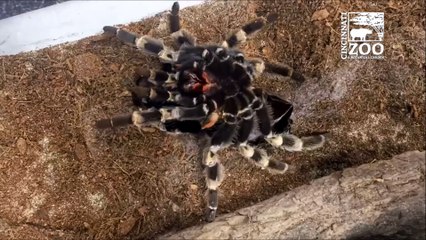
x: 207, y: 90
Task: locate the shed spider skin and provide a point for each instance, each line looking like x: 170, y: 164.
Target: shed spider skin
x: 207, y: 90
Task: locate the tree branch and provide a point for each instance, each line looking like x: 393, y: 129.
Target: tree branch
x: 377, y: 198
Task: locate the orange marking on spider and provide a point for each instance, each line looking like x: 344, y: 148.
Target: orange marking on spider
x: 205, y: 77
x: 198, y: 87
x: 211, y: 120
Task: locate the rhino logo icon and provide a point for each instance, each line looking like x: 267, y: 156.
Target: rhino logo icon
x: 360, y: 33
x: 362, y: 24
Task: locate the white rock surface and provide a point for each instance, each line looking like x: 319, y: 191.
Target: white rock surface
x: 71, y: 21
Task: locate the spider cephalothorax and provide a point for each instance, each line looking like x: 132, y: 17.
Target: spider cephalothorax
x: 208, y: 90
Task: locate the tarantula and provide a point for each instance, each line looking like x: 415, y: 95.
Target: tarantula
x: 207, y: 90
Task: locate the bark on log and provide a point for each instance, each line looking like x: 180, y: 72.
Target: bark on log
x: 384, y: 198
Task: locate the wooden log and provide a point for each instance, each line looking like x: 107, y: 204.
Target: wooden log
x: 380, y: 199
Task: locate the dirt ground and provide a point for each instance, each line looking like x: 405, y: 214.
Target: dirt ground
x: 62, y: 179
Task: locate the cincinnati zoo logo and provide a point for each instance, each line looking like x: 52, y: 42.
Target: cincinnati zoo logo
x: 362, y: 35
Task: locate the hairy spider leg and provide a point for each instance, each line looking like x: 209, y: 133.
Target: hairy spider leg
x: 151, y: 77
x: 263, y: 111
x: 220, y: 139
x: 285, y: 140
x: 166, y: 104
x: 205, y: 111
x: 182, y: 37
x: 196, y: 113
x: 158, y: 88
x: 160, y: 118
x: 264, y: 115
x: 248, y: 124
x: 293, y: 143
x: 241, y: 75
x: 239, y: 36
x: 214, y: 177
x: 284, y: 70
x: 255, y: 66
x: 260, y: 158
x: 147, y: 44
x: 137, y: 118
x: 117, y: 121
x: 260, y: 66
x: 174, y: 18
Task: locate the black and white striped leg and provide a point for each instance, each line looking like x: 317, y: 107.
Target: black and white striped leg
x: 146, y: 77
x: 188, y: 118
x: 261, y: 159
x: 241, y: 107
x: 263, y: 113
x: 174, y: 106
x: 196, y: 64
x: 137, y: 118
x: 153, y: 95
x: 292, y: 143
x: 265, y: 118
x: 196, y: 113
x: 250, y: 29
x: 174, y: 19
x: 246, y: 125
x: 181, y: 36
x: 156, y: 87
x: 261, y: 109
x: 222, y: 137
x: 214, y: 177
x: 284, y: 70
x: 289, y: 142
x: 242, y: 75
x: 258, y: 66
x: 153, y: 87
x: 227, y: 131
x: 148, y: 44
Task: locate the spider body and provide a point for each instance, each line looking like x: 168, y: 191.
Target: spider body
x: 208, y: 90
